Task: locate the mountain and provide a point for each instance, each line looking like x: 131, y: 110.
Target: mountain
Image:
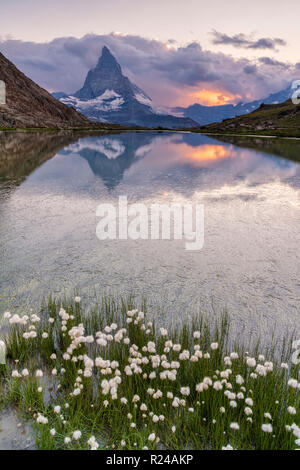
x: 28, y: 105
x: 276, y: 119
x: 208, y: 114
x: 108, y: 96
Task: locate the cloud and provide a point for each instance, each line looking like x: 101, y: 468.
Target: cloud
x: 271, y: 62
x: 169, y: 73
x: 243, y: 41
x: 250, y: 69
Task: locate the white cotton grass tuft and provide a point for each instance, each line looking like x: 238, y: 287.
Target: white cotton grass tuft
x: 234, y: 426
x: 267, y: 427
x: 76, y: 435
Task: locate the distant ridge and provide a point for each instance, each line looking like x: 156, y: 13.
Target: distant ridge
x: 208, y: 114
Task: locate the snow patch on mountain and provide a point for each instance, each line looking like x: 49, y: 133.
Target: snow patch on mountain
x: 108, y: 101
x: 143, y: 99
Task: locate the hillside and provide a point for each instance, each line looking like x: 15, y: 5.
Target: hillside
x: 281, y: 119
x: 29, y: 105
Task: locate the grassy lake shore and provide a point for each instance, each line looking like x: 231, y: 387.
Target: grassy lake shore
x: 112, y: 379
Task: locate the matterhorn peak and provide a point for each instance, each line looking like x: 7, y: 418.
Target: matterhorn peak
x: 110, y: 96
x: 107, y: 60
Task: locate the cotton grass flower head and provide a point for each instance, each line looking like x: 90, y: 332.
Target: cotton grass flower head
x: 239, y: 380
x: 41, y: 419
x: 251, y: 362
x: 217, y: 385
x: 267, y: 428
x: 227, y: 447
x: 76, y: 435
x: 185, y: 391
x: 93, y: 443
x: 163, y: 331
x: 293, y: 383
x: 234, y: 426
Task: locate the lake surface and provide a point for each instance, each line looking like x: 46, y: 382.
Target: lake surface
x: 51, y: 185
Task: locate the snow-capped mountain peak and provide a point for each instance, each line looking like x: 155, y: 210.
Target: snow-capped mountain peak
x: 108, y: 96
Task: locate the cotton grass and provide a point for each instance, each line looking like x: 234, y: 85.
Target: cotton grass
x: 113, y: 379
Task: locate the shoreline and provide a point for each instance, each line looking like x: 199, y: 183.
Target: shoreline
x: 114, y: 130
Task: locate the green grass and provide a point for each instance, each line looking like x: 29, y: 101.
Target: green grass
x: 98, y: 410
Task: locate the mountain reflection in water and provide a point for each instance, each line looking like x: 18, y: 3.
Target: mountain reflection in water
x: 51, y: 185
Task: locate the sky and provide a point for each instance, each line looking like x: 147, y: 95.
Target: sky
x: 179, y: 52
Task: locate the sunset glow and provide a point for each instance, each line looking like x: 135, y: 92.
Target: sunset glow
x: 213, y: 97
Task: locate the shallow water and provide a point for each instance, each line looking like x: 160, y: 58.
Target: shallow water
x: 15, y: 434
x: 250, y: 263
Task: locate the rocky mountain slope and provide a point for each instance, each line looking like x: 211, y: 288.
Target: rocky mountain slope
x: 108, y: 96
x: 28, y: 105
